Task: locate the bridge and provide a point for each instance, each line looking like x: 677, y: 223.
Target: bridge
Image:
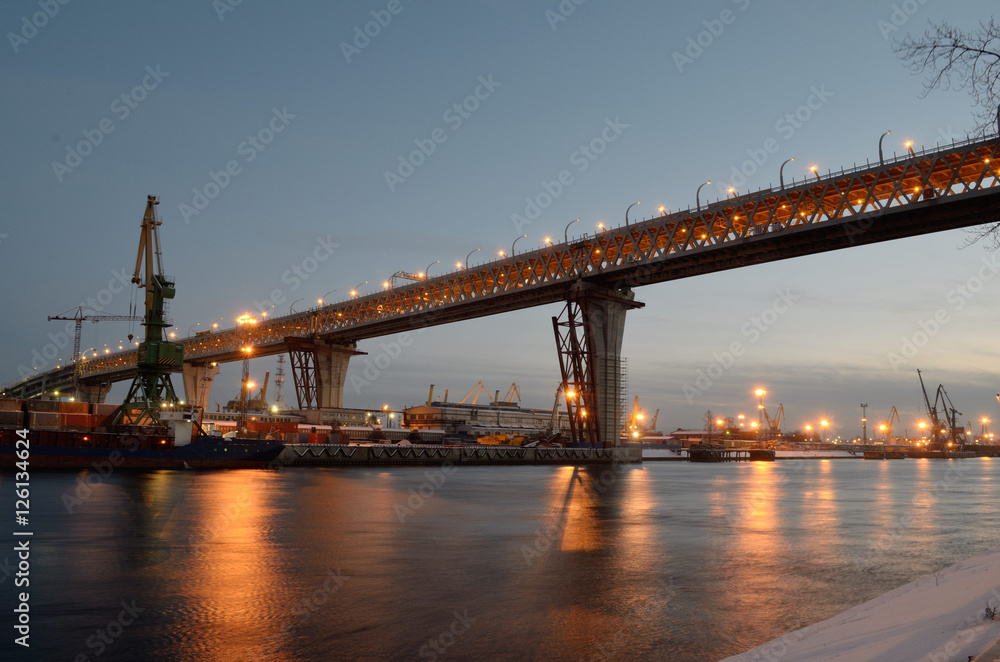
x: 594, y: 275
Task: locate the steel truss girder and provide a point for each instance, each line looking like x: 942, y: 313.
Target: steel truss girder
x: 629, y: 254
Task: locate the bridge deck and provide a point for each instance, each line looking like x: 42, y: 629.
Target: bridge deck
x: 942, y: 189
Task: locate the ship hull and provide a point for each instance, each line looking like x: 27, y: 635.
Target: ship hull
x: 75, y: 450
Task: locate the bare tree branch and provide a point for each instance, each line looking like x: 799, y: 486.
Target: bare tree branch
x: 955, y: 59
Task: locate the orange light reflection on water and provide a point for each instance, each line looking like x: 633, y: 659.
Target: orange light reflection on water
x: 233, y: 584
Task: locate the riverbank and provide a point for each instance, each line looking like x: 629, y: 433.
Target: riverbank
x: 940, y: 617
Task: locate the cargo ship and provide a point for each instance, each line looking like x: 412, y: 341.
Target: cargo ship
x: 77, y: 436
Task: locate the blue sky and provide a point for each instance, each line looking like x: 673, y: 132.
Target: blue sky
x: 337, y: 111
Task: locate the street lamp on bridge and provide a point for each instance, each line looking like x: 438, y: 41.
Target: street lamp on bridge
x: 428, y: 269
x: 566, y: 231
x: 881, y: 159
x: 468, y: 256
x: 354, y: 290
x: 627, y: 211
x: 697, y: 194
x: 515, y: 244
x: 291, y: 308
x: 781, y: 172
x: 322, y: 299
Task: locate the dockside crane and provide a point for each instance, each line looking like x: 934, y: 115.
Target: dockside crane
x: 886, y: 427
x: 774, y: 424
x: 80, y: 318
x: 151, y: 388
x: 477, y: 390
x: 511, y: 393
x: 946, y: 430
x: 554, y: 428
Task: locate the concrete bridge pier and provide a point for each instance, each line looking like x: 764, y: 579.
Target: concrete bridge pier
x: 198, y: 383
x: 589, y: 335
x: 92, y: 392
x: 319, y: 370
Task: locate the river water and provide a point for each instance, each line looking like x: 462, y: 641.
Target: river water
x: 663, y: 561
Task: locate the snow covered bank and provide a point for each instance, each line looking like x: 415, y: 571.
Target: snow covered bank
x: 938, y: 618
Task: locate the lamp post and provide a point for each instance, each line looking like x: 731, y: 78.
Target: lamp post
x: 697, y: 194
x: 427, y: 270
x: 881, y: 158
x: 760, y: 411
x: 815, y: 170
x: 354, y: 290
x: 566, y: 231
x: 468, y: 256
x: 864, y: 422
x: 515, y: 244
x: 292, y: 306
x: 781, y: 171
x: 322, y: 299
x: 909, y: 147
x: 627, y: 210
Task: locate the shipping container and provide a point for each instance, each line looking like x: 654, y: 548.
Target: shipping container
x: 43, y: 405
x: 11, y: 419
x: 77, y: 420
x: 41, y: 419
x: 10, y: 404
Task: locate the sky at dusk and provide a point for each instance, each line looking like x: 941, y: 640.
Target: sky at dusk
x: 312, y: 117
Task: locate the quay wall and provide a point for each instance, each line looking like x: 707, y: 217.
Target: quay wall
x: 418, y: 455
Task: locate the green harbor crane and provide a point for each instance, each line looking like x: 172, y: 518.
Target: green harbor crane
x: 151, y: 390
